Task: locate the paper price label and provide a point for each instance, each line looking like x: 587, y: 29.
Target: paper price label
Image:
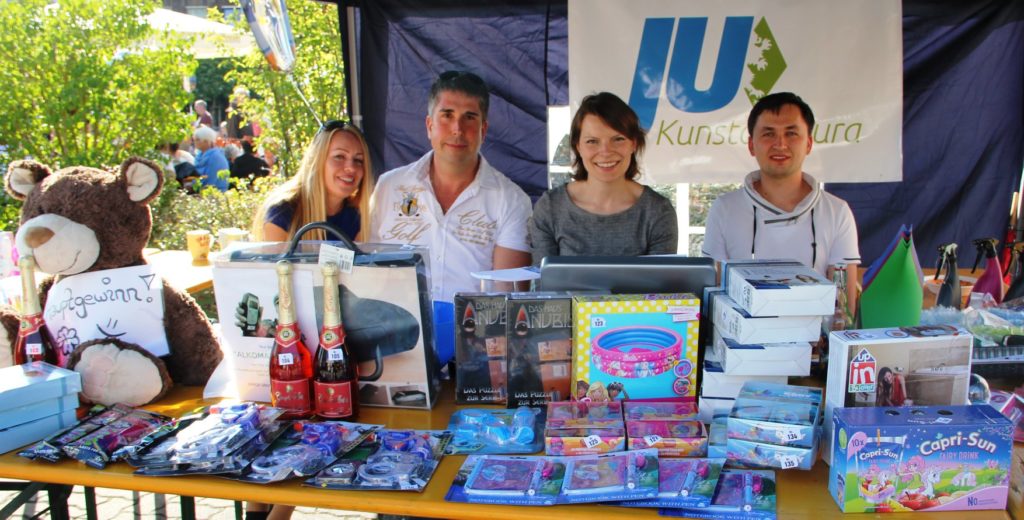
x: 597, y: 321
x: 34, y: 349
x: 651, y: 440
x: 789, y: 461
x: 285, y: 359
x: 341, y: 256
x: 335, y: 354
x: 592, y: 441
x: 790, y: 435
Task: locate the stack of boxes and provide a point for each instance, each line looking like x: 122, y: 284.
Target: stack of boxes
x: 774, y: 426
x: 36, y: 400
x: 668, y: 426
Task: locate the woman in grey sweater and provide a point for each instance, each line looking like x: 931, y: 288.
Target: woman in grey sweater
x: 604, y: 211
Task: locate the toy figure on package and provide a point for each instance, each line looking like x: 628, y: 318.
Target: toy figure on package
x: 539, y: 338
x: 741, y: 494
x: 480, y: 348
x: 496, y: 431
x: 683, y: 483
x: 96, y: 448
x: 511, y: 480
x: 51, y: 448
x: 403, y: 461
x: 305, y: 449
x: 580, y: 427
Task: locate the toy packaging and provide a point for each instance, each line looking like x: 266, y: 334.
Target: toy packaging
x: 753, y: 454
x: 778, y: 288
x: 584, y: 428
x: 305, y: 449
x: 671, y: 438
x: 683, y: 483
x: 52, y: 448
x: 404, y: 460
x: 544, y: 481
x: 539, y: 337
x: 733, y: 322
x: 718, y: 438
x: 659, y: 410
x: 480, y: 348
x: 1012, y: 406
x: 715, y: 382
x: 762, y: 359
x: 774, y: 426
x: 635, y: 346
x: 37, y: 400
x: 712, y: 408
x: 741, y: 494
x: 920, y: 458
x: 928, y: 365
x: 491, y: 431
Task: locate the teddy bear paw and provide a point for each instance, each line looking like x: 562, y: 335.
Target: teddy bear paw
x: 117, y: 372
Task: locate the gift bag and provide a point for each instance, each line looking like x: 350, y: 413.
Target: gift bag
x: 892, y: 293
x: 386, y: 312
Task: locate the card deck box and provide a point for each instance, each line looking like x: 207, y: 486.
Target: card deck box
x: 539, y: 332
x: 480, y: 348
x: 21, y: 385
x: 778, y: 288
x: 920, y: 458
x: 762, y: 359
x: 926, y: 365
x: 642, y: 346
x: 737, y: 324
x: 715, y: 382
x: 584, y: 428
x: 28, y: 432
x: 671, y: 438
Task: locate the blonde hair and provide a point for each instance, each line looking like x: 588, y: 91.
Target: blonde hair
x: 305, y: 190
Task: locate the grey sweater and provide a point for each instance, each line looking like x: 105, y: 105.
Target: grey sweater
x: 560, y: 227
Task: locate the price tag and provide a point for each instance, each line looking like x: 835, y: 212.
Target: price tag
x: 789, y: 461
x: 34, y: 349
x: 591, y: 441
x: 789, y: 435
x: 335, y: 354
x: 651, y: 440
x: 597, y: 321
x: 285, y: 359
x: 341, y: 256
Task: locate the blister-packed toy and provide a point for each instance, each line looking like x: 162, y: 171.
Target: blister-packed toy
x: 52, y: 448
x: 482, y: 431
x: 404, y: 460
x: 306, y: 449
x: 742, y: 494
x: 683, y: 483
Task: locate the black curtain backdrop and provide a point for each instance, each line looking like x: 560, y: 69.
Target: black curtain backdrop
x: 963, y: 120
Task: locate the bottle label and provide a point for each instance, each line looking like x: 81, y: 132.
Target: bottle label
x: 287, y: 335
x: 332, y: 337
x: 30, y: 324
x: 334, y: 399
x: 290, y: 395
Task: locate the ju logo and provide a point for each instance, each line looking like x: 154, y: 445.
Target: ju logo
x: 674, y: 64
x: 862, y: 373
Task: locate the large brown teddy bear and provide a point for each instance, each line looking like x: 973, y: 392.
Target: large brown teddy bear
x: 82, y: 219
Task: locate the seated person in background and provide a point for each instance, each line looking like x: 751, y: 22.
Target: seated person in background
x: 333, y: 184
x: 781, y: 211
x: 604, y: 211
x: 210, y: 160
x: 452, y: 201
x: 248, y: 164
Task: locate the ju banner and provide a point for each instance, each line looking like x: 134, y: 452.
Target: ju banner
x: 692, y: 71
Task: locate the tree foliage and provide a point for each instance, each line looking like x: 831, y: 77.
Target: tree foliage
x: 88, y: 81
x: 288, y: 125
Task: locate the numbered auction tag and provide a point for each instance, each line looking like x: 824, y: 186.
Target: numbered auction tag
x: 597, y: 321
x: 339, y: 255
x: 789, y: 461
x: 789, y: 435
x: 335, y: 354
x: 651, y: 440
x: 34, y: 349
x: 591, y: 441
x: 285, y: 359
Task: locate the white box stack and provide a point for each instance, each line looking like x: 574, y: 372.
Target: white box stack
x: 36, y: 400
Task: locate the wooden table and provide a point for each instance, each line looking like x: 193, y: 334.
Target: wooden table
x: 802, y: 494
x: 177, y: 268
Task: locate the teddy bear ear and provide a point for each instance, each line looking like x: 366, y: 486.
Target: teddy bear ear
x: 143, y: 178
x: 23, y: 176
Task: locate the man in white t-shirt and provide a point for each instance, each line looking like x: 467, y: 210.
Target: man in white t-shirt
x: 470, y: 216
x: 781, y: 211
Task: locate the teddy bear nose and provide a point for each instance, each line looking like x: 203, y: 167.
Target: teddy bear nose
x: 38, y: 236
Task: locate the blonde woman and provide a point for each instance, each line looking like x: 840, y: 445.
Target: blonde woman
x: 333, y: 184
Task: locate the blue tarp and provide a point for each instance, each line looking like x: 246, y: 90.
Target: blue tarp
x: 963, y: 133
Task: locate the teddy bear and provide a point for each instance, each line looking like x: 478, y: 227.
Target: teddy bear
x: 81, y: 220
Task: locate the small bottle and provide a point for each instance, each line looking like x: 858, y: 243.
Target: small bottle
x: 33, y: 343
x: 291, y: 369
x: 843, y: 318
x: 336, y: 372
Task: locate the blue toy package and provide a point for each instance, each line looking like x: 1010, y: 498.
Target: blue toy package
x: 305, y: 449
x: 545, y: 481
x: 760, y: 455
x: 683, y: 483
x: 489, y: 431
x: 403, y: 461
x: 774, y: 426
x: 920, y: 458
x: 742, y: 494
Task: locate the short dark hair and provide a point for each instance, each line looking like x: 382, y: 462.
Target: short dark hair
x: 774, y: 102
x: 460, y: 81
x: 247, y: 147
x: 616, y: 114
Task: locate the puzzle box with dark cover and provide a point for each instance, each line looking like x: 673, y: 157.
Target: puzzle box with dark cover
x: 480, y: 348
x: 539, y: 332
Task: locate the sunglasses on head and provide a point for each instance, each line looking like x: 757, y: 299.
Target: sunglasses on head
x: 452, y: 75
x: 332, y: 125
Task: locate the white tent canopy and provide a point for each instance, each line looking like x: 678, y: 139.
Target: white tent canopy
x: 211, y: 39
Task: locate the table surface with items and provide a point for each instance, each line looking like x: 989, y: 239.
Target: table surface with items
x: 801, y: 494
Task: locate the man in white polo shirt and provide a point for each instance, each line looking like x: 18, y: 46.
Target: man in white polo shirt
x: 470, y: 216
x: 781, y: 211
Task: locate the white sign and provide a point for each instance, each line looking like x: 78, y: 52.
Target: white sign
x: 125, y: 303
x: 692, y: 71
